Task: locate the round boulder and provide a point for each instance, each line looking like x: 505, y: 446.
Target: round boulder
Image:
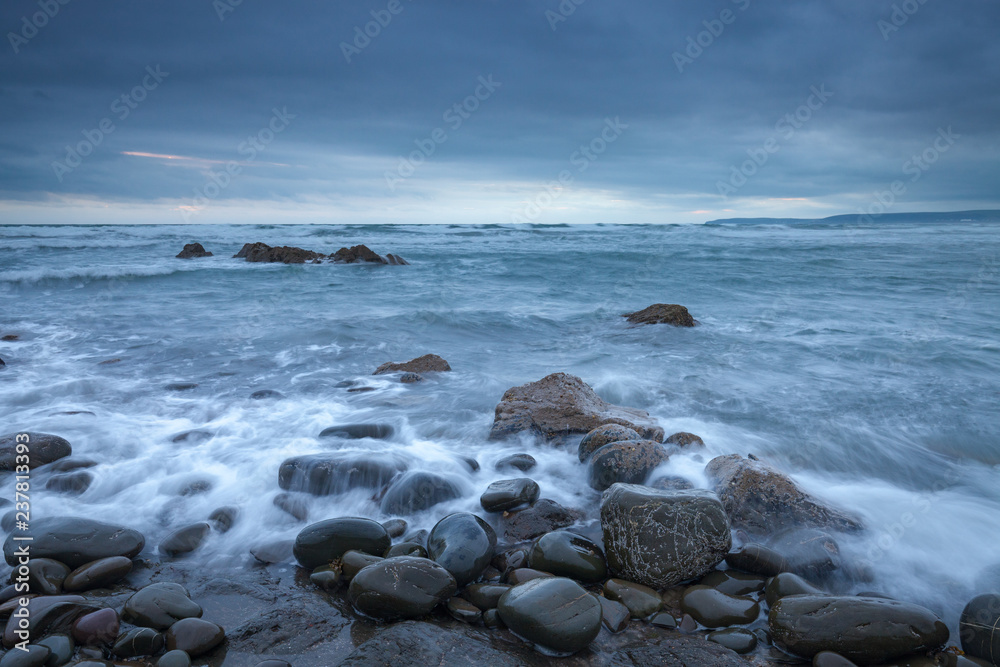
x: 605, y: 435
x: 401, y: 587
x: 553, y: 613
x: 463, y: 544
x: 566, y: 554
x: 627, y: 462
x: 979, y: 628
x: 507, y: 494
x: 320, y: 543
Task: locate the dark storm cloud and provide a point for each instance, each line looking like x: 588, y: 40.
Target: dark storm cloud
x: 562, y: 69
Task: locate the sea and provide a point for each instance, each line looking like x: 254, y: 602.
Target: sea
x: 861, y: 359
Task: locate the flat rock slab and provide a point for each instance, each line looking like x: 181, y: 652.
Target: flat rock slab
x: 428, y: 363
x: 560, y: 405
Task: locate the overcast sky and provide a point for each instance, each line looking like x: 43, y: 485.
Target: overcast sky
x: 490, y: 111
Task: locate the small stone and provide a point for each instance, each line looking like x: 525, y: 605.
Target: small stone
x: 223, y: 518
x: 411, y: 378
x: 36, y: 655
x: 72, y: 483
x: 735, y: 639
x: 464, y: 611
x: 323, y: 542
x: 663, y: 620
x: 757, y: 559
x: 96, y: 628
x: 174, y: 659
x: 662, y: 313
x: 542, y: 517
x: 194, y: 636
x: 292, y: 505
x: 683, y: 439
x: 831, y: 659
x: 491, y: 619
x: 353, y: 562
x: 46, y: 576
x: 463, y: 544
x: 604, y: 435
x: 485, y: 596
x: 522, y: 462
x: 406, y: 549
x: 732, y: 582
x: 327, y: 577
x: 523, y: 574
x: 786, y: 584
x: 185, y: 540
x: 567, y: 554
x: 614, y: 615
x: 137, y: 642
x: 714, y: 609
x: 395, y: 527
x: 159, y: 606
x: 554, y: 613
x: 507, y: 494
x: 641, y: 601
x: 62, y: 648
x: 403, y: 587
x: 629, y: 462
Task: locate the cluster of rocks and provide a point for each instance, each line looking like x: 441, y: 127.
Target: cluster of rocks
x: 261, y: 252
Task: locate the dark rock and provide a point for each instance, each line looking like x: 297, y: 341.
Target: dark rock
x: 757, y: 559
x: 263, y: 394
x: 46, y: 576
x: 664, y: 620
x: 193, y: 250
x: 684, y: 439
x: 223, y: 518
x: 604, y: 435
x: 523, y: 574
x: 327, y: 577
x: 194, y: 636
x: 70, y: 464
x: 293, y: 505
x: 361, y: 253
x: 61, y: 647
x: 485, y: 596
x: 641, y: 601
x: 808, y: 552
x: 763, y: 501
x: 491, y: 619
x: 542, y: 517
x: 831, y: 659
x: 395, y: 527
x: 261, y: 252
x: 785, y: 584
x: 182, y: 659
x: 429, y: 363
x: 566, y: 554
x: 98, y: 574
x: 732, y: 582
x: 523, y: 462
x: 627, y: 462
x: 76, y: 541
x: 979, y: 628
x: 96, y: 628
x: 40, y: 448
x: 506, y: 494
x: 34, y: 655
x: 185, y: 540
x: 464, y: 611
x: 661, y: 538
x: 358, y: 431
x: 180, y: 386
x: 662, y: 313
x: 273, y: 552
x: 47, y: 614
x: 417, y: 537
x: 463, y: 544
x: 403, y: 587
x: 406, y: 549
x: 323, y: 542
x: 715, y: 609
x: 417, y: 491
x: 559, y: 405
x: 328, y: 474
x: 470, y: 463
x: 555, y: 614
x: 415, y: 644
x: 159, y: 606
x: 735, y: 639
x: 354, y: 561
x: 73, y: 483
x: 193, y: 436
x: 410, y: 378
x: 864, y: 630
x: 671, y: 483
x: 614, y: 615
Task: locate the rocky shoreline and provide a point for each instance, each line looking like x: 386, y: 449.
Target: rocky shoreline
x: 748, y: 572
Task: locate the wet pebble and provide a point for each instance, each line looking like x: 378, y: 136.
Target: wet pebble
x: 831, y: 659
x: 523, y: 462
x: 96, y: 628
x: 184, y: 540
x: 46, y: 576
x: 273, y: 552
x: 353, y: 562
x: 732, y: 582
x: 786, y: 584
x: 395, y: 527
x: 327, y: 577
x: 641, y: 601
x: 404, y: 587
x: 604, y: 435
x: 292, y: 505
x: 174, y: 659
x: 463, y: 544
x: 628, y: 462
x: 507, y: 494
x: 663, y: 620
x: 715, y: 609
x: 137, y: 642
x: 566, y: 554
x: 406, y: 549
x: 62, y: 648
x: 523, y: 574
x: 35, y: 656
x: 735, y: 639
x: 554, y: 613
x: 542, y: 517
x: 464, y: 611
x: 71, y: 483
x: 485, y: 596
x: 614, y: 615
x: 159, y: 606
x: 417, y: 491
x: 223, y: 518
x: 757, y: 559
x: 194, y: 636
x: 323, y: 542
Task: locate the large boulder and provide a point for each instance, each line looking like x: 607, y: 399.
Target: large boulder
x: 425, y: 364
x: 75, y: 541
x: 40, y: 448
x: 662, y: 313
x: 604, y: 435
x: 463, y: 544
x: 661, y: 538
x: 763, y: 501
x: 865, y: 630
x: 401, y: 587
x: 629, y: 462
x: 261, y: 252
x: 559, y: 405
x: 327, y: 474
x: 192, y: 250
x: 323, y: 542
x: 554, y: 613
x: 416, y: 491
x: 362, y: 253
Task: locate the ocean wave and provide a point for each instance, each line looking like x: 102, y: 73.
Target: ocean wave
x: 87, y: 273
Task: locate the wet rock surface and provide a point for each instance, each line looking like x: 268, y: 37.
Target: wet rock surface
x: 506, y: 494
x: 715, y: 609
x: 560, y: 405
x: 76, y: 541
x: 604, y: 435
x: 261, y: 252
x: 660, y: 538
x: 979, y: 628
x: 628, y: 462
x: 321, y: 543
x: 554, y: 613
x: 544, y: 516
x: 403, y: 587
x: 565, y: 554
x: 662, y: 313
x: 641, y: 601
x: 428, y: 363
x: 192, y: 251
x: 159, y: 606
x: 328, y: 474
x: 417, y: 491
x: 463, y: 544
x: 41, y: 448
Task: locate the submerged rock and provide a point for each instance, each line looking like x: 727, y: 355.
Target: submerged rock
x: 357, y: 431
x: 328, y: 474
x: 864, y: 630
x: 542, y: 517
x: 428, y: 363
x: 604, y: 435
x: 185, y: 540
x: 567, y: 554
x: 402, y: 587
x: 417, y: 491
x: 560, y: 405
x: 292, y: 505
x: 628, y: 462
x: 662, y: 313
x: 264, y: 394
x: 41, y: 448
x: 661, y: 538
x: 261, y: 252
x: 553, y: 613
x: 684, y: 439
x: 76, y: 541
x: 323, y: 542
x: 763, y: 501
x: 192, y: 250
x: 506, y: 494
x: 523, y: 462
x: 808, y: 552
x: 463, y: 544
x: 786, y: 584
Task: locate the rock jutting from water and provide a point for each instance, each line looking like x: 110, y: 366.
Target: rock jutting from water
x: 330, y: 474
x: 363, y: 254
x: 507, y: 494
x: 429, y: 363
x: 559, y: 405
x: 662, y: 313
x: 416, y: 491
x: 763, y: 501
x: 604, y: 435
x: 261, y: 252
x: 628, y: 462
x: 192, y: 251
x: 661, y: 538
